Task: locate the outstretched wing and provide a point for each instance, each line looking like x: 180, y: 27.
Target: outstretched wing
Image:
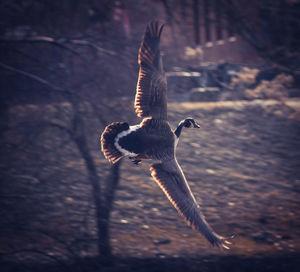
x: 172, y: 181
x: 151, y: 90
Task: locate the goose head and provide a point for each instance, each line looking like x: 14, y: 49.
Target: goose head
x: 188, y: 123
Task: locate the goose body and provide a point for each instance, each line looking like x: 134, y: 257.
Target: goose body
x: 154, y: 139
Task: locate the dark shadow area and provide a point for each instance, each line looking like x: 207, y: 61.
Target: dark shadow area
x: 276, y: 263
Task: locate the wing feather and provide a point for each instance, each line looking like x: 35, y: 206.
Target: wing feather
x: 172, y: 181
x: 151, y: 91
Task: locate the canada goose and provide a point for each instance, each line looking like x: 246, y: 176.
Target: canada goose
x: 154, y: 139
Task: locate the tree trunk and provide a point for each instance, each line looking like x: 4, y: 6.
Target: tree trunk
x: 103, y: 205
x: 112, y: 181
x: 102, y: 231
x: 196, y: 22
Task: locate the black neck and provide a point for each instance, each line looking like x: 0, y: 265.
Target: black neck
x: 178, y: 129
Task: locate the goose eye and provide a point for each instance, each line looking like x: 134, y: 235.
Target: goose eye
x: 188, y: 124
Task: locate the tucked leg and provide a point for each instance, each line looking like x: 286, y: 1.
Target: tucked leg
x: 137, y: 159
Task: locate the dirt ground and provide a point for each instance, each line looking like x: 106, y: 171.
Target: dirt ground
x: 243, y: 167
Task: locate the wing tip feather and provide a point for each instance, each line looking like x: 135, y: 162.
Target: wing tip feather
x: 158, y: 173
x: 150, y: 42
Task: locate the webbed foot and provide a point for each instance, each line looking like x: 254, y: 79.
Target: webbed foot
x: 134, y: 160
x: 137, y: 162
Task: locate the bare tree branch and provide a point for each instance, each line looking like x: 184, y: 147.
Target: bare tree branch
x: 32, y: 76
x: 41, y: 39
x: 92, y: 45
x: 57, y: 124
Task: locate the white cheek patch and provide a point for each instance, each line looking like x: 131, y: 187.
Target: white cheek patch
x: 123, y: 134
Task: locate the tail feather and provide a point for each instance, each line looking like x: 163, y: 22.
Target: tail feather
x: 108, y: 141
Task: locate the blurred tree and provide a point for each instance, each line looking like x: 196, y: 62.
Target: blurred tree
x: 271, y: 27
x: 62, y: 55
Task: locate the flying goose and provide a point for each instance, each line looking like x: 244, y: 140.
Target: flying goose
x: 154, y: 139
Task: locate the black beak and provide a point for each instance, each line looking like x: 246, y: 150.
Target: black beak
x: 196, y: 125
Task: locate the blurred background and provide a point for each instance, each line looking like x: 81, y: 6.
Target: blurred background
x: 68, y: 68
